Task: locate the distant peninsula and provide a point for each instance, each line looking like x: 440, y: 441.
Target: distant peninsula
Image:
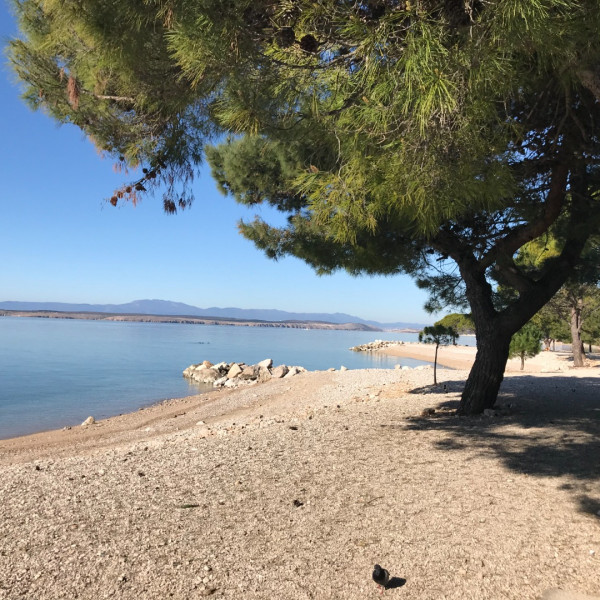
x: 164, y: 311
x: 144, y: 318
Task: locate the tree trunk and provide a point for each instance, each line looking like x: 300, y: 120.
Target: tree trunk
x: 576, y: 343
x: 522, y: 360
x: 435, y: 365
x: 495, y: 328
x: 482, y: 386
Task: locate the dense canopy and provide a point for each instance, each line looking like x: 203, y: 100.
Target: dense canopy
x: 426, y: 136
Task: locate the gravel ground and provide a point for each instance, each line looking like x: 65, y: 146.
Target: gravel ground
x: 295, y: 488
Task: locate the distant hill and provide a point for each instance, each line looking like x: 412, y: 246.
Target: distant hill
x: 168, y: 308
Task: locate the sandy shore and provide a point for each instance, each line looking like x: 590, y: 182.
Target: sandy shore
x: 295, y: 488
x: 462, y: 357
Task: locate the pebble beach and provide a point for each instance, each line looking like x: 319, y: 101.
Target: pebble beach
x: 295, y: 488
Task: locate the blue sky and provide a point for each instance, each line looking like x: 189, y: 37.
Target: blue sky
x: 61, y: 241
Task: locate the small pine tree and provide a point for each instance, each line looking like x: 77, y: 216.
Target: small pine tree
x: 526, y: 343
x: 438, y: 335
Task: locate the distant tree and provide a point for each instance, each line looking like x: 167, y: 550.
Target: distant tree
x: 526, y: 343
x: 591, y: 329
x: 577, y: 299
x: 440, y: 336
x: 552, y: 326
x: 461, y: 323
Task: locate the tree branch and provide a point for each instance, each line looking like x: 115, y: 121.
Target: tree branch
x: 108, y: 97
x: 509, y: 244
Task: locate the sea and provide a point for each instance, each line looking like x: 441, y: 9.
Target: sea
x: 57, y: 372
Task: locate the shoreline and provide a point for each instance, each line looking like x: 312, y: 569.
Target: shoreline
x: 302, y: 485
x: 458, y: 358
x: 462, y: 357
x: 159, y: 417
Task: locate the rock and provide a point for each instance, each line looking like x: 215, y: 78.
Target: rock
x: 405, y: 368
x: 343, y: 368
x: 220, y: 382
x: 249, y: 372
x: 263, y: 374
x: 190, y: 370
x: 376, y: 345
x: 292, y: 371
x: 234, y: 371
x: 279, y: 372
x: 237, y: 374
x: 206, y: 376
x: 89, y: 421
x: 489, y: 412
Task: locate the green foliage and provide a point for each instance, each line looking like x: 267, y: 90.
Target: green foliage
x: 525, y: 343
x: 438, y: 335
x: 552, y: 322
x: 459, y: 322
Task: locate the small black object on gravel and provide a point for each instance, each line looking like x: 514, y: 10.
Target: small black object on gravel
x: 381, y: 577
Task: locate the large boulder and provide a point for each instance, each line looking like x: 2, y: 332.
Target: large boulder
x: 190, y: 370
x: 263, y: 374
x: 249, y: 372
x: 292, y: 371
x: 234, y: 371
x: 205, y: 375
x: 279, y: 372
x: 267, y: 363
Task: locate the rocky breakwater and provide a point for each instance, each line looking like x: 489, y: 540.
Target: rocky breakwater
x: 376, y: 345
x: 235, y: 374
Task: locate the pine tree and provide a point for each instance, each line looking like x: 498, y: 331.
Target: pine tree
x: 439, y: 335
x: 526, y: 343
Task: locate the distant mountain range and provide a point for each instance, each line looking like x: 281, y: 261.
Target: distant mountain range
x: 167, y: 308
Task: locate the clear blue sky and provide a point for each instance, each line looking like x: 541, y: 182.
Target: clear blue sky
x: 61, y: 241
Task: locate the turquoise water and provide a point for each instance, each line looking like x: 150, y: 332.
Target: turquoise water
x: 57, y: 372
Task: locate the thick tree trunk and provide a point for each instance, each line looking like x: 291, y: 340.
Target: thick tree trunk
x: 495, y: 328
x: 483, y: 383
x: 576, y: 343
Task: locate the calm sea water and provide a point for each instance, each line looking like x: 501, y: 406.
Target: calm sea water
x: 57, y: 372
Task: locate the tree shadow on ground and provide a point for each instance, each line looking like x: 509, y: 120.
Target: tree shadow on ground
x: 544, y: 427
